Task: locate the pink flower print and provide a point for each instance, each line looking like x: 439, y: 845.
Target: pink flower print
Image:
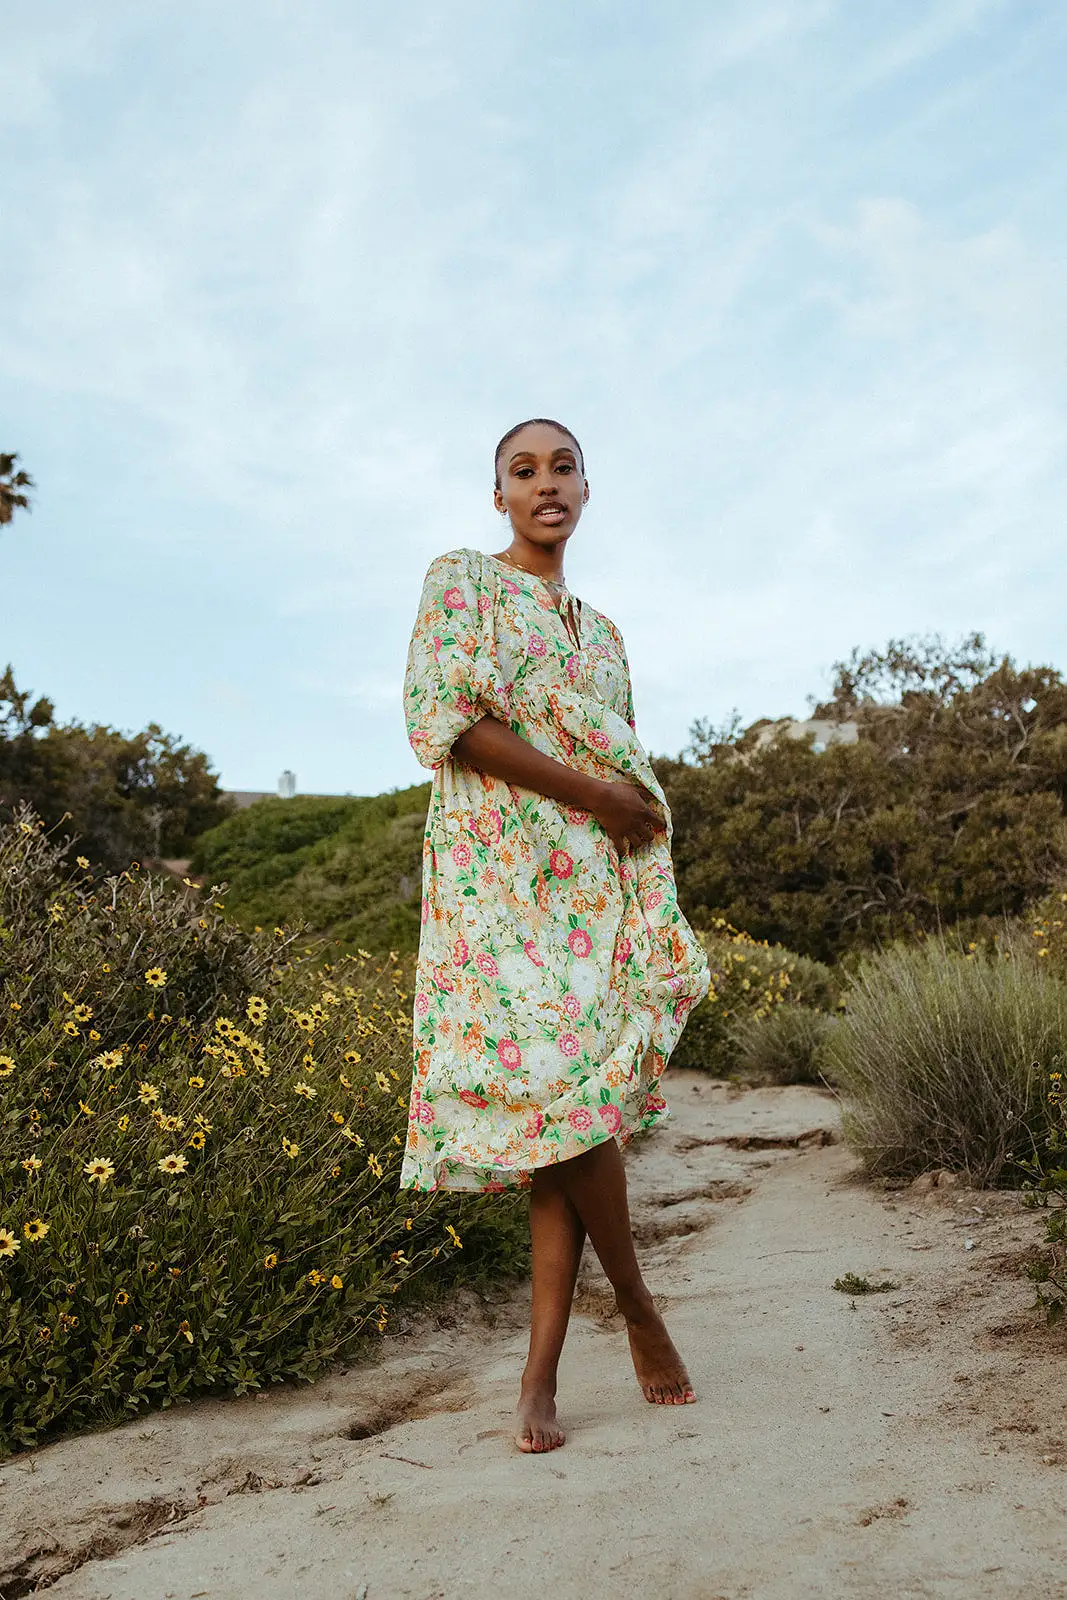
x: 469, y: 1098
x: 653, y: 1102
x: 574, y: 667
x: 512, y: 588
x: 463, y: 705
x: 532, y: 951
x: 443, y: 980
x: 572, y: 1005
x: 461, y: 854
x: 598, y: 739
x: 561, y: 863
x: 485, y: 603
x: 568, y: 1043
x: 653, y: 900
x: 509, y: 1055
x: 611, y: 1117
x: 413, y: 1108
x: 437, y: 642
x: 533, y: 1125
x: 425, y: 909
x: 535, y: 645
x: 576, y: 816
x: 460, y: 952
x: 422, y: 1003
x: 580, y: 943
x: 425, y: 1114
x: 580, y: 1118
x: 623, y: 949
x: 453, y: 599
x: 496, y: 825
x: 486, y: 964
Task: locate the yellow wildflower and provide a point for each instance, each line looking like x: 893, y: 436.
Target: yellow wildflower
x: 196, y: 1141
x: 35, y: 1229
x: 306, y: 1090
x: 292, y: 1150
x: 70, y: 1029
x: 32, y: 1164
x: 256, y: 1010
x: 173, y: 1164
x: 315, y: 1277
x: 147, y: 1093
x: 7, y: 1066
x: 337, y: 1282
x: 172, y: 1124
x: 106, y: 967
x: 99, y: 1169
x: 185, y: 1330
x: 155, y: 977
x: 86, y: 1111
x: 83, y: 861
x: 375, y: 1165
x: 338, y: 1116
x: 196, y: 1082
x: 202, y: 1122
x: 335, y: 1172
x: 8, y: 1243
x: 454, y: 1236
x: 123, y: 1123
x: 122, y: 1298
x: 382, y: 1081
x: 407, y: 1223
x: 345, y: 1082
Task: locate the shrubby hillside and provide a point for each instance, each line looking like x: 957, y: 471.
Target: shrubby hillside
x: 350, y: 867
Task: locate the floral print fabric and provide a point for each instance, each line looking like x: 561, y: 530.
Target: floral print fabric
x: 554, y: 979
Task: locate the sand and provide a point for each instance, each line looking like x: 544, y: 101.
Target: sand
x: 910, y: 1443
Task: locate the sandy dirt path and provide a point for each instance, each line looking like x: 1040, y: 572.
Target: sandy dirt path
x: 911, y: 1443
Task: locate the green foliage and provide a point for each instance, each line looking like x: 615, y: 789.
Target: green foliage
x: 15, y: 486
x: 784, y: 1047
x: 749, y: 982
x: 943, y: 1060
x: 853, y: 1284
x: 200, y: 1143
x: 125, y: 796
x: 351, y: 868
x: 949, y: 807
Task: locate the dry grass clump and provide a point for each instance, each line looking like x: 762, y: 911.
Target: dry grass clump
x: 943, y: 1060
x: 200, y: 1144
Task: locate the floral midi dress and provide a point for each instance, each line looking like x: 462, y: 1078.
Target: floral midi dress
x: 554, y: 977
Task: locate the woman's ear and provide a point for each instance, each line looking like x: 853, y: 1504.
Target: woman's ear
x: 585, y: 493
x: 498, y: 502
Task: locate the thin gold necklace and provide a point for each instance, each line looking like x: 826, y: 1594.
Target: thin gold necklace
x: 549, y: 583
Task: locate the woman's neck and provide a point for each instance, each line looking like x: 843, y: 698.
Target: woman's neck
x: 546, y: 564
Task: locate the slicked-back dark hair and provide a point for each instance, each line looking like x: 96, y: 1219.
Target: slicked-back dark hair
x: 533, y: 422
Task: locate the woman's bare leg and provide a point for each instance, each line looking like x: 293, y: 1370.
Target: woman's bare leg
x: 595, y: 1184
x: 557, y: 1237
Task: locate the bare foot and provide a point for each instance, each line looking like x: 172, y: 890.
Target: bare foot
x: 660, y: 1369
x: 537, y: 1428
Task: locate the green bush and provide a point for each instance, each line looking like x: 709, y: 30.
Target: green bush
x: 350, y: 867
x: 200, y: 1141
x: 943, y: 1060
x: 749, y: 981
x: 784, y: 1047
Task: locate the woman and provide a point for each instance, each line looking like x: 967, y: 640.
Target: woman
x: 555, y: 969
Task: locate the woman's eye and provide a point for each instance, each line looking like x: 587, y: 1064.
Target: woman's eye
x: 523, y: 472
x: 564, y: 466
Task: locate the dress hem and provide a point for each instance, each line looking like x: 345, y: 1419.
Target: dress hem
x: 521, y: 1177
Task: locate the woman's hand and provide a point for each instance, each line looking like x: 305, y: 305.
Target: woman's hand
x: 624, y: 812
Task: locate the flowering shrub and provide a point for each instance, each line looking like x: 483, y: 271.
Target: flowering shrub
x: 749, y: 981
x: 200, y: 1143
x: 1047, y: 1187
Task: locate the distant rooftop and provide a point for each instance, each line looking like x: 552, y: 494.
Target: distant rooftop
x: 822, y: 732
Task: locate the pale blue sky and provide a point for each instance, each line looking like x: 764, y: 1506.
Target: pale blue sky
x: 274, y: 278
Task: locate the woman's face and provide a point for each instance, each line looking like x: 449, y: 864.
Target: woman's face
x: 542, y: 487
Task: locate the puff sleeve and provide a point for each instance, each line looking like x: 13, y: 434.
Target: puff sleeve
x: 452, y: 678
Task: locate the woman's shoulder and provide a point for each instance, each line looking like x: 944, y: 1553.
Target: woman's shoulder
x: 462, y: 561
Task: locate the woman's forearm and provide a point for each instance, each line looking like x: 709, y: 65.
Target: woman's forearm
x: 492, y: 748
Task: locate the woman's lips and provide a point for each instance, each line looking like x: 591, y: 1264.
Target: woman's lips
x: 552, y: 514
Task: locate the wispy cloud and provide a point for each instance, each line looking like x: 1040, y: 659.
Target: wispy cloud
x: 269, y: 304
